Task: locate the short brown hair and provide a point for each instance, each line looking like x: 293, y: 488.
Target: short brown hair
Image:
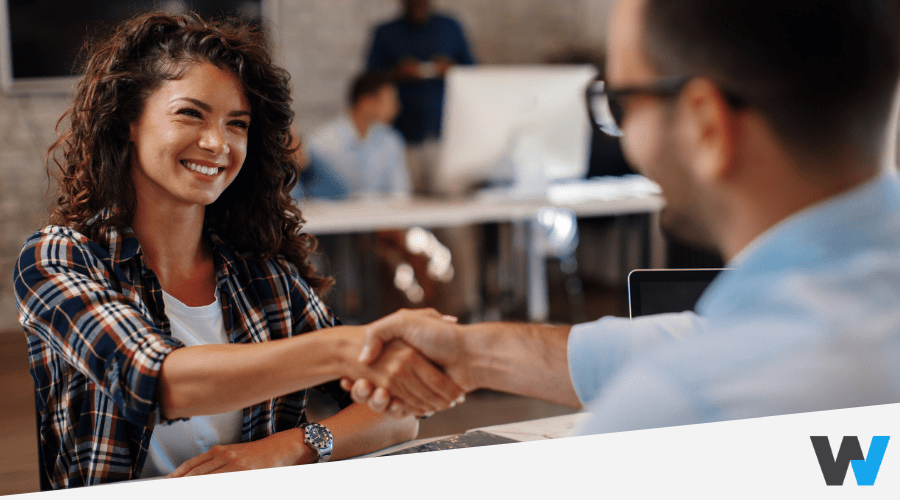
x: 822, y: 72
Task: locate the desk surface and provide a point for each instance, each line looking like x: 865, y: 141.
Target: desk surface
x: 365, y: 215
x: 529, y: 430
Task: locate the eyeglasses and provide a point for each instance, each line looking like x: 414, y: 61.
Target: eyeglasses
x: 606, y: 109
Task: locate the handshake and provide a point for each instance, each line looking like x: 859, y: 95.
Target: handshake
x: 417, y: 362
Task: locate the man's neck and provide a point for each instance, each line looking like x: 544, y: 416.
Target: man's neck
x: 361, y: 123
x: 778, y: 201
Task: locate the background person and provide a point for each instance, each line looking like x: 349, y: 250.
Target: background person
x: 360, y: 149
x: 765, y: 123
x: 418, y: 49
x: 173, y: 280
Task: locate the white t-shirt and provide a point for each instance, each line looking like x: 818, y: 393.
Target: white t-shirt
x: 173, y: 444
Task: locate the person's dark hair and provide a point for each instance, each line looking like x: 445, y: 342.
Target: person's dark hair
x: 255, y: 213
x: 368, y: 84
x: 822, y: 72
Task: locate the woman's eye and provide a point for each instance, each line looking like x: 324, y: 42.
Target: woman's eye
x: 189, y: 112
x: 241, y: 124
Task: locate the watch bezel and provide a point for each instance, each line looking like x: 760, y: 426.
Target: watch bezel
x: 322, y: 447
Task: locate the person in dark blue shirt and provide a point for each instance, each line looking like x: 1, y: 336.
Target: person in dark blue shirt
x: 418, y: 49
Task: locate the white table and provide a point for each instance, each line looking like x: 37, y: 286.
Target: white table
x: 529, y: 430
x: 356, y: 216
x: 614, y: 197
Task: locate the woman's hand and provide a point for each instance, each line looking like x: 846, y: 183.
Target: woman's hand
x: 276, y: 450
x: 433, y: 335
x: 416, y: 385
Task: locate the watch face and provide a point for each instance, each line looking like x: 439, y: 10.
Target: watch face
x: 318, y: 435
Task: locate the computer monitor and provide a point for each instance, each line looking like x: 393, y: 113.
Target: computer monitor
x: 521, y: 126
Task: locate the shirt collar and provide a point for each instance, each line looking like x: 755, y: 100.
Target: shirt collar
x: 822, y: 233
x: 830, y: 205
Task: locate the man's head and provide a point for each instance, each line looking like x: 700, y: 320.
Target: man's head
x: 374, y: 96
x: 417, y: 11
x: 812, y: 79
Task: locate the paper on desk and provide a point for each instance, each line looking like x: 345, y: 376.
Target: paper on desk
x: 535, y: 430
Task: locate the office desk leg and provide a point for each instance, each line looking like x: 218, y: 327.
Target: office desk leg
x: 538, y: 296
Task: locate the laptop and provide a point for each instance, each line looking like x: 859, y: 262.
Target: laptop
x: 656, y: 291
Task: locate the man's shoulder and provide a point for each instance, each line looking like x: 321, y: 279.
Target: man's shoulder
x: 388, y: 133
x: 330, y: 133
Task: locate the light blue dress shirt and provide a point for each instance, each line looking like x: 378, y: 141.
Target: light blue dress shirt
x: 809, y: 319
x: 370, y: 165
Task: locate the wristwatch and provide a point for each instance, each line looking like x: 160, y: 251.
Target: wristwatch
x: 319, y: 438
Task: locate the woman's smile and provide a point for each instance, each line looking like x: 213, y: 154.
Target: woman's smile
x: 207, y: 171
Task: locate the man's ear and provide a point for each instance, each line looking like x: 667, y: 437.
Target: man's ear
x: 708, y: 127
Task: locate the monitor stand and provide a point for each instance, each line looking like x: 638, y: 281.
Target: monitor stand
x: 525, y: 159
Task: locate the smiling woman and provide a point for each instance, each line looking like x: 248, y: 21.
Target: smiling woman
x: 172, y: 314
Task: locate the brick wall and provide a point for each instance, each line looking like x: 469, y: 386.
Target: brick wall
x: 322, y: 43
x: 26, y: 130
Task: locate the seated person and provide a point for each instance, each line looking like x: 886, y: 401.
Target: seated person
x: 359, y: 153
x: 173, y: 316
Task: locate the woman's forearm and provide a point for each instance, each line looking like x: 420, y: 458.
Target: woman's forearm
x: 358, y: 430
x: 209, y: 379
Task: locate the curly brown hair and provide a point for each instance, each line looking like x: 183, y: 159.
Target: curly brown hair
x: 255, y: 214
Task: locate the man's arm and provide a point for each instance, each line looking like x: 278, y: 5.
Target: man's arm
x: 525, y: 359
x: 566, y: 365
x: 530, y: 360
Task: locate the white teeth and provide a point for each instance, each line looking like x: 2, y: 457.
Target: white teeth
x: 200, y: 168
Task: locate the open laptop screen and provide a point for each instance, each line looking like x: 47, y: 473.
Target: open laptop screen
x: 655, y: 291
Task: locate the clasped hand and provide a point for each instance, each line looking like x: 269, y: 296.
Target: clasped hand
x: 413, y: 387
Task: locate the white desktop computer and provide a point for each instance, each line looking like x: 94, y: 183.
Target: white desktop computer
x: 519, y: 128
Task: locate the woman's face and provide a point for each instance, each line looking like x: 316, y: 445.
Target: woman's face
x: 190, y: 141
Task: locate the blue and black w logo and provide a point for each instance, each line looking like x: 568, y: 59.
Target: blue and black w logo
x: 865, y: 468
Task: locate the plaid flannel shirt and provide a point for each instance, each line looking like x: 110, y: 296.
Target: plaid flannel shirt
x: 97, y: 336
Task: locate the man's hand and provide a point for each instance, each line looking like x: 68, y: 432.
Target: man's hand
x: 416, y: 385
x: 442, y: 65
x: 408, y: 69
x: 436, y: 336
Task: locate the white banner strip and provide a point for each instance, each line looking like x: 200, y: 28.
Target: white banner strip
x: 754, y: 458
